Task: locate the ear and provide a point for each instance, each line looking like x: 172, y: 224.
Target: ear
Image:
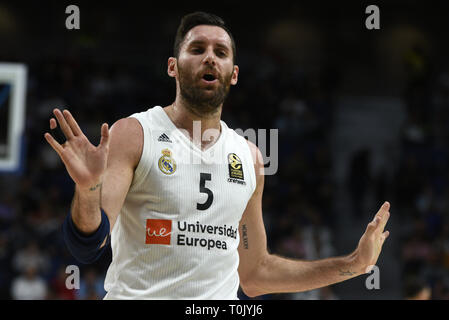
x: 235, y: 75
x: 172, y: 69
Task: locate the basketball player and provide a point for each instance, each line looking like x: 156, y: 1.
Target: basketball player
x: 184, y: 215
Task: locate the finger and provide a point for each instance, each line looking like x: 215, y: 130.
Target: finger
x: 384, y: 220
x: 372, y: 225
x: 53, y: 143
x: 104, y: 141
x: 72, y: 123
x: 384, y: 208
x: 63, y: 124
x: 385, y: 235
x: 383, y: 214
x: 56, y: 132
x: 53, y: 123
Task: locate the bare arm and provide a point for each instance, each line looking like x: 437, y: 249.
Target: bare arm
x: 262, y: 273
x: 102, y: 174
x: 124, y: 156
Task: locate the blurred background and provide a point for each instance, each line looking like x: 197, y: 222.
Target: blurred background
x: 362, y: 118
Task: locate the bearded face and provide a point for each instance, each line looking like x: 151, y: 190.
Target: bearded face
x: 204, y: 90
x: 205, y: 69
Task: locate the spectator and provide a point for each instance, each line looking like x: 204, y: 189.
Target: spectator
x: 91, y: 286
x: 59, y: 288
x: 29, y: 286
x: 30, y: 257
x: 416, y: 289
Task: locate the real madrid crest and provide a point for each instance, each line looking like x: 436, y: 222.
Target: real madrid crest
x: 166, y: 163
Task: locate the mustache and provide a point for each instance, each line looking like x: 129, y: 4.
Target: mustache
x: 210, y: 70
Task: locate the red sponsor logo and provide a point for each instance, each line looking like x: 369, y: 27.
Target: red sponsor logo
x: 158, y: 231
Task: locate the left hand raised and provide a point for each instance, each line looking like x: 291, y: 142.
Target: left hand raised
x: 370, y: 244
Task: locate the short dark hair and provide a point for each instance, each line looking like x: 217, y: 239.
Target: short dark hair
x: 194, y: 19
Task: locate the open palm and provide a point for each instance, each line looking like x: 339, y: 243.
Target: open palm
x: 84, y: 162
x: 371, y: 242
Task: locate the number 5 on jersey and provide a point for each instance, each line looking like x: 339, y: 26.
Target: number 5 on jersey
x: 210, y: 196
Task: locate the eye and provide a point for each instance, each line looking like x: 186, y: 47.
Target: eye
x: 197, y: 50
x: 221, y: 53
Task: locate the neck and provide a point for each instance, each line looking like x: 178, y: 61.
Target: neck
x: 194, y: 124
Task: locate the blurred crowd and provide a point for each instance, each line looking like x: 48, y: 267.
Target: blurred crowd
x: 422, y: 181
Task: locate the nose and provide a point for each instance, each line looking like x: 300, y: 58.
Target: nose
x: 209, y: 58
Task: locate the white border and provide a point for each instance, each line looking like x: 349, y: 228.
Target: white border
x: 16, y: 75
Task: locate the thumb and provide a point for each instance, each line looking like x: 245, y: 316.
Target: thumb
x: 104, y: 141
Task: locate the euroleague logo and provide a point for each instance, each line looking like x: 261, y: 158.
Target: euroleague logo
x: 158, y: 231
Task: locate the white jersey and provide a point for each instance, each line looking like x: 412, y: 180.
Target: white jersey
x: 176, y: 236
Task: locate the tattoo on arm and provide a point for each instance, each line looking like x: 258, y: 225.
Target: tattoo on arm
x: 95, y: 187
x: 346, y: 273
x: 245, y: 236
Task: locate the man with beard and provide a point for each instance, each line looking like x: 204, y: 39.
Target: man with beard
x: 178, y: 194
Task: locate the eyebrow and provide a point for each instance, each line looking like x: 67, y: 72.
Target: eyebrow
x: 202, y: 42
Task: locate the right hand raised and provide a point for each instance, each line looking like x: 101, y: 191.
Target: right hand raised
x: 84, y: 162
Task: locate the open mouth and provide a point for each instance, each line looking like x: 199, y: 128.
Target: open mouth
x: 209, y: 78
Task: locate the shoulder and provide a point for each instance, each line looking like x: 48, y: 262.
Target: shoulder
x: 127, y: 139
x: 256, y: 155
x: 130, y: 125
x: 258, y: 163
